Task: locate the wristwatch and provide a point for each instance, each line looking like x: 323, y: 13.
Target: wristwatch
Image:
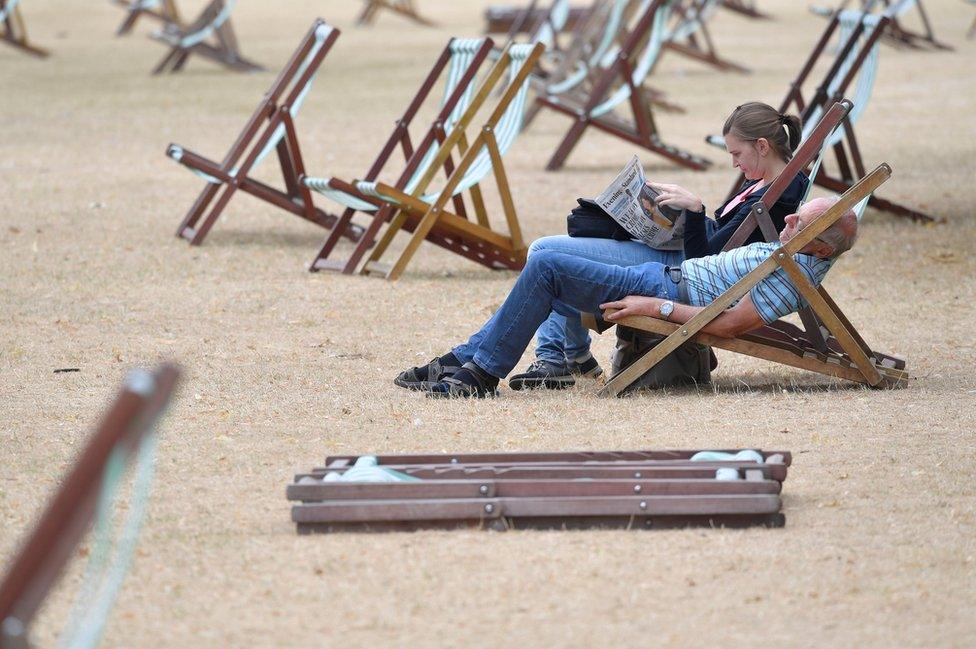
x: 666, y: 308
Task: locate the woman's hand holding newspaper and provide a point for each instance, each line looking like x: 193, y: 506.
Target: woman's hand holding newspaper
x: 677, y: 197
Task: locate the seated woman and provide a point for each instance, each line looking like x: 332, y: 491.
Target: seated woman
x: 761, y: 142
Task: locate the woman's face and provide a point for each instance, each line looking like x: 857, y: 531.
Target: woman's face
x: 746, y: 156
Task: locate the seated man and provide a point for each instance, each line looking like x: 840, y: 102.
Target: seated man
x: 553, y: 281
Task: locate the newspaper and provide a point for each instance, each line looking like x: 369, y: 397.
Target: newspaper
x: 632, y: 203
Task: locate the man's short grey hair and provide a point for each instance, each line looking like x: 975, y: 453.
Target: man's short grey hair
x: 840, y: 236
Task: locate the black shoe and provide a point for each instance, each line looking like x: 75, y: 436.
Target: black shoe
x: 468, y: 382
x: 554, y: 376
x: 426, y: 376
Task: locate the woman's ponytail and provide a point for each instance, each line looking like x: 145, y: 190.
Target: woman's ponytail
x: 755, y: 120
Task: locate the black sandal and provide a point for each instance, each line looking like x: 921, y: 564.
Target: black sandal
x: 436, y: 372
x: 468, y: 382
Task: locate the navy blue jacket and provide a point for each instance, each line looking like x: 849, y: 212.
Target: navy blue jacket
x: 704, y: 236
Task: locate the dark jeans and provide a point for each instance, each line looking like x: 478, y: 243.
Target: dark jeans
x: 560, y: 283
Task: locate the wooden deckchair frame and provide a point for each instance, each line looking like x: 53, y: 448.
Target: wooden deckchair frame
x: 43, y: 555
x: 631, y: 489
x: 400, y: 139
x: 511, y: 20
x: 404, y: 8
x: 591, y: 31
x: 233, y: 172
x: 745, y: 8
x: 13, y: 31
x: 857, y: 363
x: 224, y: 50
x: 699, y: 45
x: 897, y: 33
x: 164, y: 11
x: 847, y: 151
x: 477, y: 240
x: 643, y: 131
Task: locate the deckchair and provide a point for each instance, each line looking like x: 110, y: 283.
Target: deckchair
x: 897, y: 33
x: 213, y: 21
x: 270, y: 128
x: 511, y: 20
x: 547, y: 32
x: 851, y: 359
x: 856, y: 58
x: 14, y: 32
x: 625, y: 489
x: 972, y: 28
x: 618, y: 85
x: 405, y: 8
x: 420, y: 207
x: 688, y: 35
x: 164, y: 11
x: 594, y: 45
x: 746, y: 8
x: 91, y: 491
x: 458, y: 64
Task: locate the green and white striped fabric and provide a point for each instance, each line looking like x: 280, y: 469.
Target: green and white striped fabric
x: 193, y: 38
x: 649, y: 56
x: 176, y: 152
x: 8, y: 10
x: 463, y: 51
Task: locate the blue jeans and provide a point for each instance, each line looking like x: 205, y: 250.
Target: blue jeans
x: 563, y: 338
x: 560, y: 283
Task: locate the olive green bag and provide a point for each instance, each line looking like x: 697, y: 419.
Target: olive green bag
x: 689, y: 364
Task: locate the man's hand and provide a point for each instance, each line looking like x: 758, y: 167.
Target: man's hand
x: 633, y: 305
x: 677, y: 197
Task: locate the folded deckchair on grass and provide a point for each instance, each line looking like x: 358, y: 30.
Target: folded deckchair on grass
x: 688, y: 35
x: 270, y: 128
x: 94, y: 490
x: 419, y: 204
x: 619, y: 85
x: 897, y: 11
x: 746, y: 8
x: 164, y: 11
x: 847, y: 355
x: 854, y: 63
x: 456, y: 69
x: 636, y: 490
x: 212, y: 23
x: 14, y: 31
x: 404, y: 8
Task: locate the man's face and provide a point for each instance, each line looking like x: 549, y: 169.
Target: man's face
x: 796, y: 222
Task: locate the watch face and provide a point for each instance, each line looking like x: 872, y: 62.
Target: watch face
x: 667, y: 308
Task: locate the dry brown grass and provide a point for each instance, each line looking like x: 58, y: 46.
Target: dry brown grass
x: 284, y: 367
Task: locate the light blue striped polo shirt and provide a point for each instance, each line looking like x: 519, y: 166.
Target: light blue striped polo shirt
x: 774, y: 297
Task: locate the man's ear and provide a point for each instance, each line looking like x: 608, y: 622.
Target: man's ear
x: 823, y: 250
